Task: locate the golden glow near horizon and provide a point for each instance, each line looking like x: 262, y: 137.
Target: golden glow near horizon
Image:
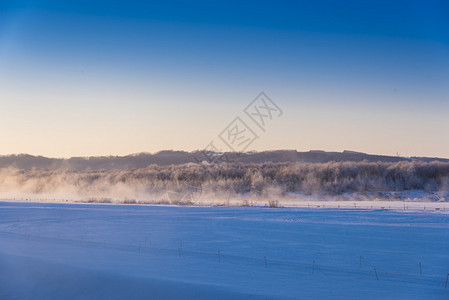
x: 57, y: 128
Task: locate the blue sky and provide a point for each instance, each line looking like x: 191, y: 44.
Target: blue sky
x: 119, y: 77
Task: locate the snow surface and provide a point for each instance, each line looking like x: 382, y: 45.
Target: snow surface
x: 85, y: 251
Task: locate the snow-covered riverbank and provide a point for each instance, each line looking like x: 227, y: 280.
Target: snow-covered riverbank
x: 167, y: 252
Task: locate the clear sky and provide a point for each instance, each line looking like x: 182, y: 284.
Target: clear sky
x: 82, y: 78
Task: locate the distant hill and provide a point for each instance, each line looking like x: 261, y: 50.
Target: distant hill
x: 168, y: 157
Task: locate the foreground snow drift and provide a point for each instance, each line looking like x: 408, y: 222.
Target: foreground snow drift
x: 73, y: 251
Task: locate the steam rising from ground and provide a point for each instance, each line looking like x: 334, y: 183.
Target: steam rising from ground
x: 195, y: 183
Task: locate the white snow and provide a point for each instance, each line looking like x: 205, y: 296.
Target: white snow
x: 82, y: 251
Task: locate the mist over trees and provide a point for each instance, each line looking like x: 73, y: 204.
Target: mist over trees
x: 232, y: 179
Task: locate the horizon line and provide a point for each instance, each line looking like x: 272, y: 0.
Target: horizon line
x: 232, y: 152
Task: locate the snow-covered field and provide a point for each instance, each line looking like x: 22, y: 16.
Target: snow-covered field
x: 93, y: 251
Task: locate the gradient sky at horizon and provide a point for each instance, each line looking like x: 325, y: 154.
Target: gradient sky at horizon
x: 81, y: 78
